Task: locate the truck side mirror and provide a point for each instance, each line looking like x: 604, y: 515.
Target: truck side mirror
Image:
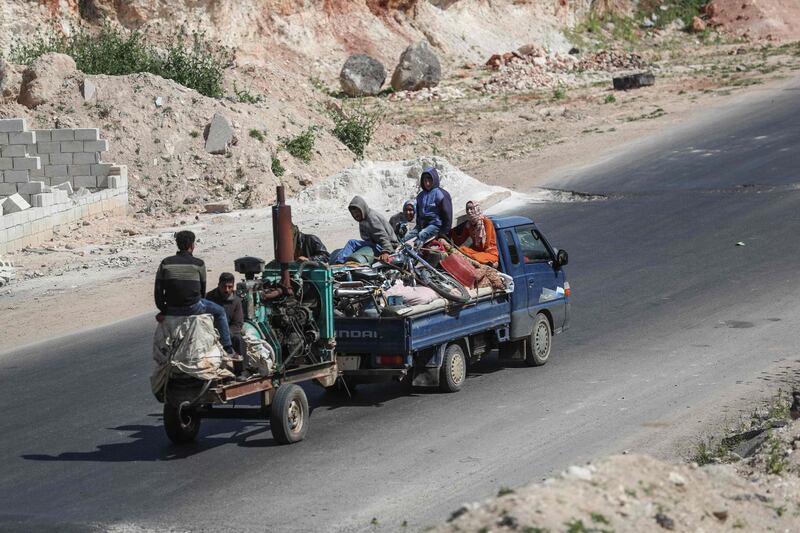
x: 562, y: 258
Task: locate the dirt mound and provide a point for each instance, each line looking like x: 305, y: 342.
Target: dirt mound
x: 771, y: 20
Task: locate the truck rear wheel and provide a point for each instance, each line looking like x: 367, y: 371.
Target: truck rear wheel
x: 454, y: 369
x: 181, y: 425
x: 288, y: 415
x: 538, y: 346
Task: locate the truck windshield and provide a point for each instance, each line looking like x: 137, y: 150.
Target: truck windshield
x: 534, y: 250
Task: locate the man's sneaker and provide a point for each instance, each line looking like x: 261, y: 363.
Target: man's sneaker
x: 228, y: 349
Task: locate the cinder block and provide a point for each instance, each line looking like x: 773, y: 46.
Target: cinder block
x: 14, y: 204
x: 79, y: 170
x: 32, y: 187
x: 66, y: 187
x: 102, y: 169
x: 52, y: 171
x: 42, y: 200
x: 15, y: 176
x: 37, y: 173
x: 43, y: 136
x: 60, y: 196
x: 6, y: 163
x: 95, y: 146
x: 14, y: 151
x: 3, y: 138
x: 61, y: 159
x: 26, y: 163
x: 12, y: 125
x: 44, y: 159
x: 84, y: 158
x: 48, y: 147
x: 7, y: 189
x: 102, y: 181
x: 84, y: 181
x: 22, y: 137
x: 65, y: 134
x: 73, y: 146
x: 89, y: 134
x: 58, y: 180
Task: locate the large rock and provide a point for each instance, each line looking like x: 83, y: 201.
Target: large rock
x: 10, y: 79
x: 362, y: 75
x: 418, y: 68
x: 43, y: 79
x: 219, y: 135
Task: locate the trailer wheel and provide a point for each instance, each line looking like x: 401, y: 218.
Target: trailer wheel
x: 454, y: 369
x: 289, y: 414
x: 538, y: 349
x: 181, y: 425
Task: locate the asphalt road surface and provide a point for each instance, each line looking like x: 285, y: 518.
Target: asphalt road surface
x: 669, y: 315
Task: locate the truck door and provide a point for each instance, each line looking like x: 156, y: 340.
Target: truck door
x: 545, y: 284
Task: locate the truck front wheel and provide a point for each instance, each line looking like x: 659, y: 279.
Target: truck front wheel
x: 538, y: 346
x: 454, y: 369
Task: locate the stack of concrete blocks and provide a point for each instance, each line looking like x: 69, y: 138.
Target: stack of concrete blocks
x: 40, y: 169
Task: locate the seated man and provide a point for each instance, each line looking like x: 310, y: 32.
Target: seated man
x: 375, y: 232
x: 434, y: 209
x: 224, y: 296
x: 479, y: 230
x: 180, y: 286
x: 406, y: 216
x: 308, y: 247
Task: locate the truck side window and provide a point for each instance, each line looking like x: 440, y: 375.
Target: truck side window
x: 512, y: 247
x: 533, y: 247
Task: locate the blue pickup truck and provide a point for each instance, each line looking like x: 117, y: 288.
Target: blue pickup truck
x: 433, y: 344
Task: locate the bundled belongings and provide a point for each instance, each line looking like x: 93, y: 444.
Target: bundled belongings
x: 187, y: 345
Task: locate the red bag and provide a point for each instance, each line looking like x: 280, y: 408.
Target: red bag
x: 460, y: 268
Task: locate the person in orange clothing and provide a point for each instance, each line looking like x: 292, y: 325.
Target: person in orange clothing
x: 480, y: 231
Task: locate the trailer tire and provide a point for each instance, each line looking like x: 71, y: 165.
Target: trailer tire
x: 181, y: 425
x: 538, y: 346
x: 454, y: 369
x: 288, y: 415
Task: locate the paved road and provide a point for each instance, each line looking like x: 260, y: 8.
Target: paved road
x: 668, y: 314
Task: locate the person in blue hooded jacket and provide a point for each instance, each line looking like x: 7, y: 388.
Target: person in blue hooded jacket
x: 434, y: 209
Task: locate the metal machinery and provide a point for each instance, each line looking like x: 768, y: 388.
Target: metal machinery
x: 290, y: 307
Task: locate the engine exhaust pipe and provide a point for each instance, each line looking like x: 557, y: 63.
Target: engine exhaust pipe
x: 283, y: 237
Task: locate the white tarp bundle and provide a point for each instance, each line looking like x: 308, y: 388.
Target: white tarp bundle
x: 260, y: 355
x: 188, y: 345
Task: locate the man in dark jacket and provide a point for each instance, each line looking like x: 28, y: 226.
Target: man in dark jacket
x: 181, y: 284
x: 224, y: 296
x: 308, y: 247
x: 374, y: 229
x: 434, y: 209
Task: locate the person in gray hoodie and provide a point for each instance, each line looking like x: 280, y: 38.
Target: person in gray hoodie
x: 375, y: 231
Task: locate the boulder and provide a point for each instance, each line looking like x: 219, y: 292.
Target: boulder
x: 218, y: 135
x: 88, y: 90
x: 223, y: 206
x: 698, y: 25
x: 362, y: 75
x: 43, y: 79
x: 10, y: 79
x: 418, y: 68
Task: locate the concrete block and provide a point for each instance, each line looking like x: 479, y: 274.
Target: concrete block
x: 6, y: 163
x: 52, y: 171
x: 84, y: 158
x: 84, y: 181
x: 38, y: 173
x: 26, y: 163
x: 42, y: 200
x: 72, y: 146
x: 12, y: 125
x: 7, y: 189
x: 44, y: 159
x: 95, y: 146
x: 14, y: 204
x: 31, y: 149
x: 60, y: 196
x: 66, y: 187
x: 102, y: 181
x: 79, y: 170
x: 88, y: 134
x: 3, y: 138
x: 58, y: 180
x: 48, y: 147
x: 33, y: 187
x: 14, y: 151
x: 61, y: 159
x: 15, y: 176
x: 65, y: 134
x: 42, y: 136
x: 102, y: 169
x: 22, y: 137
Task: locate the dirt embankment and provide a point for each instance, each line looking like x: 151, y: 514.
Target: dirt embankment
x: 771, y: 20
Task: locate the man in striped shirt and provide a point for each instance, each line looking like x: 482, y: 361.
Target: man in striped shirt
x: 181, y: 285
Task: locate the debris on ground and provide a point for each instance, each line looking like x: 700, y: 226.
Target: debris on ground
x: 633, y: 81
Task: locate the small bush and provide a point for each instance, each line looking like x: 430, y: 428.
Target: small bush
x: 246, y: 97
x: 559, y: 93
x: 111, y: 51
x: 257, y: 135
x: 610, y: 99
x: 300, y: 146
x: 354, y: 127
x: 277, y: 167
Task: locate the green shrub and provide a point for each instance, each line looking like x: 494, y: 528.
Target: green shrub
x: 113, y: 52
x: 277, y: 167
x: 610, y: 99
x: 684, y: 10
x: 354, y: 127
x: 246, y: 97
x: 300, y: 146
x: 559, y: 93
x: 257, y: 135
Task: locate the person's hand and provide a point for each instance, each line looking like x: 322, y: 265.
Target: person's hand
x: 160, y: 317
x: 384, y: 257
x: 302, y: 258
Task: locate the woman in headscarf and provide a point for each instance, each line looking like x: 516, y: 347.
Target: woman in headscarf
x: 480, y: 231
